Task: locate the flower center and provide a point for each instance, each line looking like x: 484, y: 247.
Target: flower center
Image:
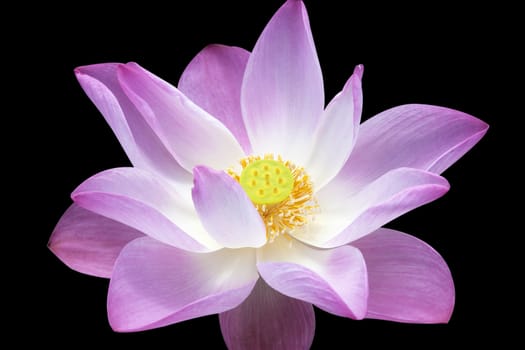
x: 267, y: 181
x: 281, y: 191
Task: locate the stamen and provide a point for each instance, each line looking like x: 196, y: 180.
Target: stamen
x: 281, y: 191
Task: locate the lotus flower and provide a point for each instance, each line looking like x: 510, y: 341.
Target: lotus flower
x: 248, y: 199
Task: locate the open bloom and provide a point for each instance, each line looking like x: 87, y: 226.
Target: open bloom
x: 248, y: 199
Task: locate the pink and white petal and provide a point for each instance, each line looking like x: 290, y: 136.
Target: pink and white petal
x: 418, y: 136
x: 141, y: 144
x: 154, y: 284
x: 89, y: 243
x: 347, y: 216
x: 409, y: 281
x: 282, y: 97
x: 192, y: 135
x: 145, y: 202
x: 213, y: 81
x: 337, y: 132
x: 334, y: 280
x: 268, y: 319
x: 225, y: 210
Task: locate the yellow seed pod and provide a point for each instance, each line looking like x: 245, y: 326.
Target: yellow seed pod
x: 267, y: 181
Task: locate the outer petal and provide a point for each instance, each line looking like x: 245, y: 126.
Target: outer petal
x: 225, y: 210
x: 334, y: 280
x: 213, y: 81
x: 89, y: 243
x: 192, y: 135
x: 268, y: 320
x: 337, y: 132
x: 145, y: 202
x: 348, y: 216
x: 417, y: 136
x: 282, y: 95
x: 154, y: 284
x: 409, y: 281
x: 139, y: 141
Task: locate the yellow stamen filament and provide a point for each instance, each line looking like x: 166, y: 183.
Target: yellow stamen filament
x: 289, y: 213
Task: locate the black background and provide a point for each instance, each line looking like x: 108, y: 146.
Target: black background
x: 436, y: 54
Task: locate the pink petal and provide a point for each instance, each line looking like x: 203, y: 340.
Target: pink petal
x: 268, y: 320
x: 282, y: 95
x: 89, y: 243
x: 140, y: 142
x: 337, y: 132
x: 347, y: 216
x: 334, y: 280
x: 417, y: 136
x: 145, y: 202
x: 154, y: 285
x: 213, y: 81
x: 225, y: 210
x: 409, y: 281
x: 192, y: 135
